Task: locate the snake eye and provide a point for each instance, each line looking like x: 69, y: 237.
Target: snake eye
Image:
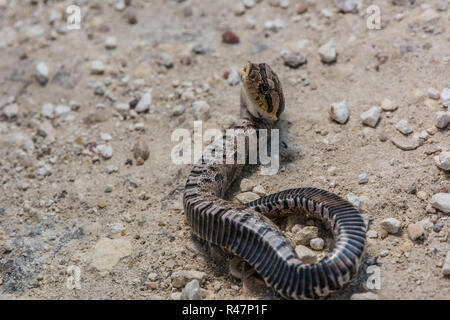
x: 263, y: 88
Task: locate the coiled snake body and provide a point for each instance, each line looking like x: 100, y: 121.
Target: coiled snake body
x: 247, y: 232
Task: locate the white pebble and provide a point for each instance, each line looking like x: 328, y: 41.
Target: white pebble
x: 249, y: 3
x: 339, y: 112
x: 105, y: 150
x: 388, y: 105
x: 233, y: 78
x: 145, y: 102
x: 354, y: 200
x: 363, y: 178
x: 441, y: 120
x: 371, y: 116
x: 328, y: 52
x: 97, y: 67
x: 110, y: 42
x: 441, y: 201
x: 105, y: 136
x: 404, y: 127
x: 391, y: 225
x: 47, y: 110
x: 443, y: 160
x: 317, y: 243
x: 201, y: 110
x: 445, y: 97
x: 42, y: 73
x: 305, y: 254
x: 433, y: 93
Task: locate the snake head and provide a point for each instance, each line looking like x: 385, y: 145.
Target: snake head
x: 261, y: 91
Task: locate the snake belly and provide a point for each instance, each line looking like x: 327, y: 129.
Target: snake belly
x: 247, y: 232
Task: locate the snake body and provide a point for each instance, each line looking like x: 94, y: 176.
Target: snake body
x: 246, y: 231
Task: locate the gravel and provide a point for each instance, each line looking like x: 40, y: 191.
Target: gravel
x: 339, y: 112
x: 443, y: 160
x: 97, y: 67
x: 303, y: 235
x: 111, y: 42
x: 234, y: 78
x: 42, y: 73
x: 441, y: 201
x: 192, y: 291
x: 327, y: 52
x: 305, y: 254
x: 391, y: 225
x: 293, y: 59
x: 317, y: 243
x: 105, y: 151
x: 404, y: 127
x: 145, y: 102
x: 363, y: 178
x: 371, y: 117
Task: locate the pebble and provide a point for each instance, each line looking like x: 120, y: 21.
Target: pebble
x: 111, y: 169
x: 415, y: 231
x: 178, y: 110
x: 201, y: 110
x: 446, y: 267
x: 45, y: 170
x: 48, y: 110
x: 293, y: 59
x: 372, y: 234
x: 404, y: 127
x: 11, y: 111
x: 108, y: 252
x: 433, y: 93
x: 328, y: 52
x: 354, y: 200
x: 42, y: 73
x: 122, y: 107
x: 105, y: 150
x: 239, y: 9
x: 306, y: 255
x: 304, y: 235
x: 164, y: 59
x: 406, y: 144
x: 317, y: 243
x: 246, y: 185
x: 247, y: 197
x: 181, y: 278
x: 97, y: 67
x: 371, y: 117
x: 339, y: 112
x: 110, y: 42
x: 228, y: 121
x: 141, y: 151
x: 443, y: 160
x: 391, y: 225
x: 105, y: 136
x: 422, y: 195
x: 445, y: 97
x: 441, y: 120
x: 145, y: 102
x: 229, y: 37
x: 175, y: 296
x: 441, y: 201
x: 249, y: 3
x: 364, y: 296
x: 192, y: 291
x: 388, y: 105
x: 108, y: 188
x: 363, y: 178
x: 46, y: 130
x: 61, y: 109
x: 274, y: 25
x: 233, y: 78
x: 302, y: 8
x: 284, y: 4
x: 99, y: 88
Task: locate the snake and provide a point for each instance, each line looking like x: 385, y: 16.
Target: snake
x: 246, y: 230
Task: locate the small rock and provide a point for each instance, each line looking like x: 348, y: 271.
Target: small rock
x: 304, y: 235
x: 201, y: 110
x: 328, y: 52
x: 372, y: 234
x: 404, y: 127
x: 445, y: 97
x: 42, y: 73
x: 233, y: 78
x: 164, y: 59
x: 192, y: 291
x: 339, y: 112
x: 247, y: 197
x: 105, y: 150
x: 363, y: 178
x: 97, y: 67
x: 354, y: 200
x: 246, y: 185
x: 11, y: 111
x: 284, y: 4
x: 293, y: 59
x: 441, y: 201
x: 422, y: 195
x: 239, y: 9
x: 175, y: 296
x: 364, y: 296
x: 371, y: 116
x: 141, y: 151
x: 108, y: 188
x: 446, y: 267
x: 302, y: 8
x: 181, y: 278
x: 105, y: 136
x: 122, y: 107
x: 229, y: 37
x: 415, y: 231
x: 61, y: 109
x: 44, y: 170
x: 388, y: 105
x: 110, y: 42
x: 443, y: 160
x: 48, y: 110
x: 391, y: 225
x: 433, y: 93
x: 274, y: 25
x: 306, y: 255
x: 111, y: 169
x: 406, y: 144
x: 317, y: 243
x: 178, y: 110
x: 441, y: 120
x: 249, y: 3
x: 145, y: 102
x: 228, y: 121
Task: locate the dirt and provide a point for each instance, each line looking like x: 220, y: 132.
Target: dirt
x: 48, y: 224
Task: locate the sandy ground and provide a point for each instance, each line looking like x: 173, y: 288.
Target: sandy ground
x: 55, y: 213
